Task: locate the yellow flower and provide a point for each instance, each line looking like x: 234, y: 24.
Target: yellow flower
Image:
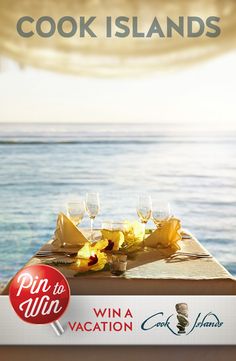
x: 100, y: 245
x: 130, y: 239
x: 134, y: 233
x: 114, y: 239
x: 101, y: 261
x: 90, y: 257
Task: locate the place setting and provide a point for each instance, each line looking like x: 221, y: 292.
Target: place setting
x: 117, y: 246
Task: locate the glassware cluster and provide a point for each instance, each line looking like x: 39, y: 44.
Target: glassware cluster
x: 147, y: 209
x: 158, y: 211
x: 76, y: 209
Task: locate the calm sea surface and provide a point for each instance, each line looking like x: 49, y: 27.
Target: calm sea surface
x: 43, y: 166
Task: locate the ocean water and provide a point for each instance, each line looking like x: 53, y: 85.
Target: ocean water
x: 44, y: 166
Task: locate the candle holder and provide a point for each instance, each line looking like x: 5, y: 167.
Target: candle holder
x: 118, y: 264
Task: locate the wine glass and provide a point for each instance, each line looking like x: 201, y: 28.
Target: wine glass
x: 144, y: 208
x: 75, y: 211
x: 161, y: 212
x: 92, y: 208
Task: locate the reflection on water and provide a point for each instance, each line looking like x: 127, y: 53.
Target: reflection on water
x: 41, y: 167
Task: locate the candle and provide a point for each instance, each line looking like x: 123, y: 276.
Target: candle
x: 118, y: 264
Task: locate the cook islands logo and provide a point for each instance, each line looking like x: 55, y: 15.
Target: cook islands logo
x: 160, y: 320
x: 182, y: 317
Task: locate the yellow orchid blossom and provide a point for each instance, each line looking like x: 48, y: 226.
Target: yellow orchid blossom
x: 114, y: 239
x: 134, y: 233
x: 130, y: 238
x: 90, y: 257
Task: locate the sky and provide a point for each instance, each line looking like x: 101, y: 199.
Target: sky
x: 203, y: 93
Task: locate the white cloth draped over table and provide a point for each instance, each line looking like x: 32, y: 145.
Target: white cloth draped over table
x: 115, y: 56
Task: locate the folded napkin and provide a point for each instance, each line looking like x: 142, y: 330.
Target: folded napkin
x: 167, y: 235
x: 66, y: 233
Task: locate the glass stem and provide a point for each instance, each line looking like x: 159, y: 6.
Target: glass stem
x: 144, y: 227
x: 91, y: 228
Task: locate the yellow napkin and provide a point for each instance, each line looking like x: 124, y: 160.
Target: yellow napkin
x: 67, y: 233
x: 167, y: 235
